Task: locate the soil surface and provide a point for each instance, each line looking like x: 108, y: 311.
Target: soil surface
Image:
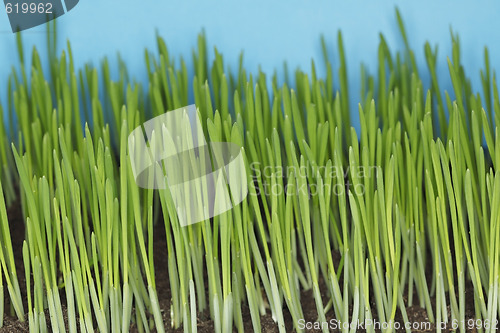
x: 205, y: 324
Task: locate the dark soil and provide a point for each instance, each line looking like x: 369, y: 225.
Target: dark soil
x: 205, y: 324
x: 16, y: 223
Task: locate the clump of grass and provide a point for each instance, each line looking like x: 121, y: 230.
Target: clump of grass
x: 415, y: 188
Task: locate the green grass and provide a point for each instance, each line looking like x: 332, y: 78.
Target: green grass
x: 416, y: 214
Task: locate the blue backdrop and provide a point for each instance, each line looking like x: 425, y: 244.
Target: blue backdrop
x: 268, y: 32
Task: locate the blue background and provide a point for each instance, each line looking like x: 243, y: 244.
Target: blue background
x: 269, y: 32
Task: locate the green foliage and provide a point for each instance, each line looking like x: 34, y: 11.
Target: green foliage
x: 407, y: 206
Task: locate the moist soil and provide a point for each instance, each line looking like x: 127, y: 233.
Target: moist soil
x: 205, y: 324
